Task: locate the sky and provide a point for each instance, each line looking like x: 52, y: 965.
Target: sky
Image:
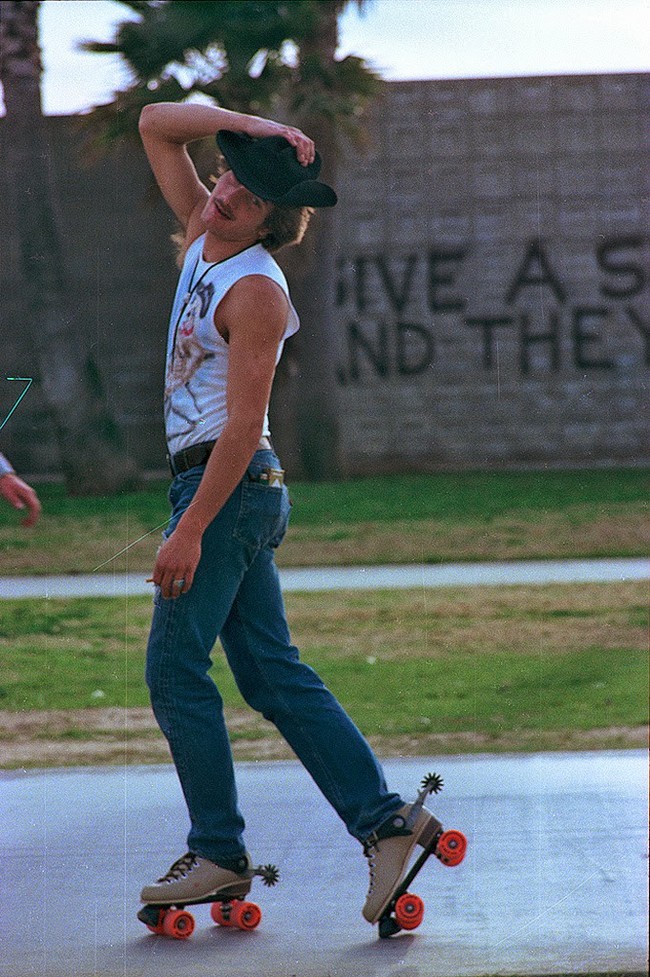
x: 403, y: 39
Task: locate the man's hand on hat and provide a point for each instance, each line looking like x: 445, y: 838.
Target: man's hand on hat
x: 304, y: 146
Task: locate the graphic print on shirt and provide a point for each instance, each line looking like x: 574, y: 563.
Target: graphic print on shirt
x: 196, y: 371
x: 188, y: 356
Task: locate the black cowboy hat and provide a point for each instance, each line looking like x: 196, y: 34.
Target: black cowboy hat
x: 269, y: 168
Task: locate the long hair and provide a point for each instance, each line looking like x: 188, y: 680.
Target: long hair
x: 286, y: 226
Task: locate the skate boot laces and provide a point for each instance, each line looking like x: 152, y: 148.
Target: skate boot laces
x: 395, y: 826
x: 370, y: 851
x: 180, y: 869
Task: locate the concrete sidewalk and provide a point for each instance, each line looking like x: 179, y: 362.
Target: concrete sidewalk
x: 554, y: 880
x: 527, y: 572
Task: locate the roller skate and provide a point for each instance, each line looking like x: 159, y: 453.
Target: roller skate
x: 389, y: 850
x: 193, y: 881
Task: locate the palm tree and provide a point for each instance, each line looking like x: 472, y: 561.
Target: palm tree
x: 69, y: 377
x: 275, y: 57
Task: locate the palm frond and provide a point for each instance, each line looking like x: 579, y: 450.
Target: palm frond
x: 235, y: 52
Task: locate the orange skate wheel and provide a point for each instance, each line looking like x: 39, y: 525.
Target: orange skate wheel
x: 409, y: 911
x: 178, y: 924
x: 246, y: 915
x: 452, y: 846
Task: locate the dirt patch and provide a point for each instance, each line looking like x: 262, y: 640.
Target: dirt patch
x: 79, y: 545
x: 570, y: 534
x: 86, y: 737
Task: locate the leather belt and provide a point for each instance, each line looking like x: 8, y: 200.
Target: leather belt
x: 198, y: 454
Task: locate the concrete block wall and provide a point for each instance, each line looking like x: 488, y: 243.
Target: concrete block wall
x: 493, y: 275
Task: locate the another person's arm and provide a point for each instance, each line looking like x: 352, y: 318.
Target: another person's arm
x: 18, y: 493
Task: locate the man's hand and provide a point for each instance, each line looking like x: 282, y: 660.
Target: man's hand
x: 20, y: 495
x: 303, y: 145
x: 176, y: 563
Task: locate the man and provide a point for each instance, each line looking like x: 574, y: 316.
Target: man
x: 215, y: 574
x: 17, y: 493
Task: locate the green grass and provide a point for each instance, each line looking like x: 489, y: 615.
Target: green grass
x: 460, y: 495
x: 468, y: 495
x: 398, y: 519
x: 497, y: 693
x: 507, y: 660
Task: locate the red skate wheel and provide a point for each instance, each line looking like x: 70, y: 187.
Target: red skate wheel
x: 452, y: 846
x: 221, y: 913
x: 246, y: 915
x: 178, y: 924
x: 409, y: 911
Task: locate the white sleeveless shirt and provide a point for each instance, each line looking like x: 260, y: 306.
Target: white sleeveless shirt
x: 197, y: 355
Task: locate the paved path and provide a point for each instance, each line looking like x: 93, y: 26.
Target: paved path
x: 356, y: 578
x: 554, y: 880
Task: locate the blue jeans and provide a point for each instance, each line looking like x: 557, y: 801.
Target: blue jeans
x: 236, y: 597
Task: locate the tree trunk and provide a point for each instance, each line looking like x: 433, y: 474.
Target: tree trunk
x: 91, y: 452
x: 318, y: 421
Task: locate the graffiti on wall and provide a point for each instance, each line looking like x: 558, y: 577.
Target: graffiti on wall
x: 397, y: 346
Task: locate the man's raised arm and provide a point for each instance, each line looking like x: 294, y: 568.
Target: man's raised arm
x: 167, y: 127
